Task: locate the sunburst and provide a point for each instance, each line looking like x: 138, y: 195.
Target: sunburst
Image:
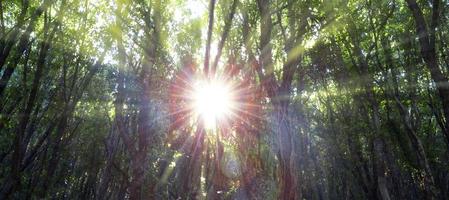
x: 213, y: 101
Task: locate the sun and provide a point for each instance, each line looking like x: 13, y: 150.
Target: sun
x: 212, y: 101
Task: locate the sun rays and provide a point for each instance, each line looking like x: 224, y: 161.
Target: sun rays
x: 213, y: 101
x: 218, y: 104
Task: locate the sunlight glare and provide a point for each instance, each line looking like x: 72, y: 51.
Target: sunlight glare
x: 197, y: 7
x: 212, y: 101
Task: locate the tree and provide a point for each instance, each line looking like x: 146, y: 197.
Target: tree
x: 267, y: 99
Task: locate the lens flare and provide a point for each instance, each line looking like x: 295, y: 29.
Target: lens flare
x: 212, y: 102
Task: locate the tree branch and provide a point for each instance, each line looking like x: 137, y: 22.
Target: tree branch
x: 224, y: 35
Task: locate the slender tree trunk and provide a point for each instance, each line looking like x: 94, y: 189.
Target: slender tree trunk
x: 23, y: 44
x: 55, y: 157
x: 378, y: 142
x: 8, y: 41
x: 192, y: 180
x: 224, y: 35
x: 426, y: 39
x: 19, y: 145
x: 111, y: 149
x: 421, y: 157
x: 209, y: 37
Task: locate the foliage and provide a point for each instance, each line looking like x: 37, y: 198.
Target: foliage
x: 335, y: 99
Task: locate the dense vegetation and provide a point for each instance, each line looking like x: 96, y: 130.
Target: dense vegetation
x: 333, y: 99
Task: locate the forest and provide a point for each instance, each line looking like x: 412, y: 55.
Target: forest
x: 224, y: 99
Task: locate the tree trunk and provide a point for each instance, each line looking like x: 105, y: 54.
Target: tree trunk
x: 378, y: 143
x: 428, y: 53
x: 287, y: 165
x: 421, y: 157
x: 23, y: 44
x: 8, y: 41
x: 111, y: 149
